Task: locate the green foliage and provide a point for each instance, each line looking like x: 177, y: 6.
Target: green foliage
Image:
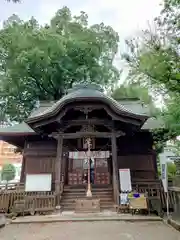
x: 161, y: 136
x: 8, y: 172
x: 132, y: 91
x: 136, y: 91
x: 42, y: 62
x: 154, y: 62
x: 154, y: 57
x: 171, y: 168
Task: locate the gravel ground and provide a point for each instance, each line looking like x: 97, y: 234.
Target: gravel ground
x: 90, y: 231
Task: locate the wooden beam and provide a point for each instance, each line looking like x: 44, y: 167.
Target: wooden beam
x: 58, y: 164
x: 115, y: 168
x: 79, y: 122
x: 86, y: 134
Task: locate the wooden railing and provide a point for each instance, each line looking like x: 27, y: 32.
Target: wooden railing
x: 174, y: 192
x: 17, y: 200
x: 156, y: 195
x: 23, y: 202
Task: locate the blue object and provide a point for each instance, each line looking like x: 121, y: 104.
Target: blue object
x: 136, y: 195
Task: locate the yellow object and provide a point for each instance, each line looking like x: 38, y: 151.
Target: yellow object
x: 138, y: 203
x: 130, y: 195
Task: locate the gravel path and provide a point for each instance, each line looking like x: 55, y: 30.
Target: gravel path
x: 90, y: 231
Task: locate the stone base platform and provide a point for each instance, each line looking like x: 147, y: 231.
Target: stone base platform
x: 2, y: 221
x: 87, y: 205
x: 174, y: 224
x: 88, y: 217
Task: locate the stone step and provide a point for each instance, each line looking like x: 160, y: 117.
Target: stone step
x: 104, y: 207
x: 69, y: 200
x: 70, y: 194
x: 84, y: 190
x: 64, y: 202
x: 84, y: 195
x: 102, y: 186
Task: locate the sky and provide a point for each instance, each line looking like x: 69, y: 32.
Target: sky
x: 127, y: 17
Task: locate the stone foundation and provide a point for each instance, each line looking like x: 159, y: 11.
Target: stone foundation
x: 90, y: 205
x: 2, y: 221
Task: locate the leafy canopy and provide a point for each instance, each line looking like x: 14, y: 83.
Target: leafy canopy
x: 8, y: 172
x: 154, y: 61
x: 136, y: 91
x: 42, y: 62
x: 154, y: 57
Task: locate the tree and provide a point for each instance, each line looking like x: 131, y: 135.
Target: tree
x: 154, y: 56
x: 8, y: 172
x: 42, y: 62
x: 171, y: 168
x: 154, y: 62
x: 134, y: 90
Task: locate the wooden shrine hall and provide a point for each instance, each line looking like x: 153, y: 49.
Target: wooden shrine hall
x: 86, y: 137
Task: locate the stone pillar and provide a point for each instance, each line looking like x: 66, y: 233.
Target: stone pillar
x: 2, y: 220
x: 176, y: 181
x: 176, y: 213
x: 176, y: 184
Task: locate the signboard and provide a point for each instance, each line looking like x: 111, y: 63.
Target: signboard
x: 94, y: 154
x: 125, y: 180
x: 38, y: 182
x: 164, y: 177
x: 124, y: 198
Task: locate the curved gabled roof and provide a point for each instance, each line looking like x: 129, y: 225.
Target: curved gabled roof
x: 85, y: 93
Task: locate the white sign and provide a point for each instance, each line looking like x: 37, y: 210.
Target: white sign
x: 38, y: 182
x: 124, y: 198
x: 125, y: 180
x: 94, y: 154
x: 164, y: 176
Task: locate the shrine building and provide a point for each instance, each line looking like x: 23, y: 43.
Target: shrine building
x: 54, y: 142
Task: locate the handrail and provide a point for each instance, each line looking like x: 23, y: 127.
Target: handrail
x: 174, y: 189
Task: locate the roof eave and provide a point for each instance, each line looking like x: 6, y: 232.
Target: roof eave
x: 54, y: 111
x: 17, y: 134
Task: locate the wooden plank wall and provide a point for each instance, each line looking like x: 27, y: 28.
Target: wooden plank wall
x: 141, y: 166
x: 135, y: 152
x: 39, y: 157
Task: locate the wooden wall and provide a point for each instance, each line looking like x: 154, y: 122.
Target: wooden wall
x: 135, y: 152
x: 141, y: 166
x: 39, y: 157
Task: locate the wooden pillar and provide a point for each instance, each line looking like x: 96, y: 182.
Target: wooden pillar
x: 23, y: 167
x: 22, y: 177
x: 115, y: 168
x: 58, y: 164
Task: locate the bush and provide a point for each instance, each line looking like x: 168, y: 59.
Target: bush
x: 8, y: 172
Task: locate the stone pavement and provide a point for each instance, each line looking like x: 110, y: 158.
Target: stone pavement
x: 88, y: 217
x: 118, y: 230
